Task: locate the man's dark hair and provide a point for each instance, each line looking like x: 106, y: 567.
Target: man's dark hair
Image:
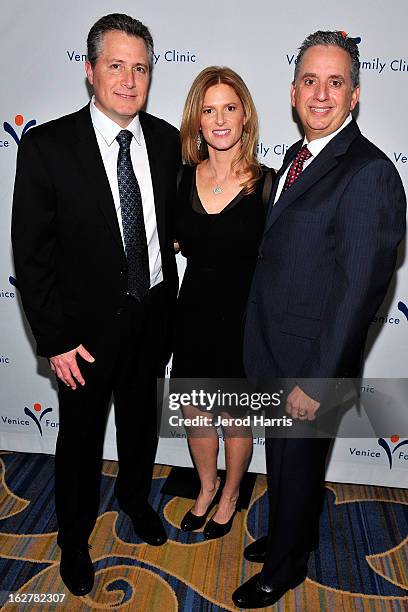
x: 121, y: 23
x: 335, y: 39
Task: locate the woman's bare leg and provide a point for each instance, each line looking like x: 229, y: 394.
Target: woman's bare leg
x: 238, y: 451
x: 203, y: 444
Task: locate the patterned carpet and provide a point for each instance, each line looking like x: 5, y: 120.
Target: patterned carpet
x: 361, y: 564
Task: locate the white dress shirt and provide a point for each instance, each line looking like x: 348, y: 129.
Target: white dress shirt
x: 315, y: 147
x: 106, y: 131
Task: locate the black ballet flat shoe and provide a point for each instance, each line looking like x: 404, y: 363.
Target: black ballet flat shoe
x: 214, y: 530
x: 254, y: 594
x: 192, y: 522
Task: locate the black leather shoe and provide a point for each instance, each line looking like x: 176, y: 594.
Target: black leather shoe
x: 256, y: 552
x: 215, y: 530
x: 253, y: 594
x: 77, y: 571
x: 148, y: 527
x: 191, y: 522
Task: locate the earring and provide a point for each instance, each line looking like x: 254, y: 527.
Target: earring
x: 198, y: 140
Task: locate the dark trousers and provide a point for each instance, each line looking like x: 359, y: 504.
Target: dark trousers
x: 129, y: 357
x: 295, y: 476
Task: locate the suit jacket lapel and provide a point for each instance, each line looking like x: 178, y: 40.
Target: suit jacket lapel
x: 323, y: 163
x: 153, y: 145
x: 313, y: 173
x: 91, y: 160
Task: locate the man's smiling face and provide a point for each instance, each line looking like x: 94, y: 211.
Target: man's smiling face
x: 323, y: 94
x: 120, y: 77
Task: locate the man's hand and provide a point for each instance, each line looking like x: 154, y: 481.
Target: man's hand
x: 66, y: 368
x: 301, y: 406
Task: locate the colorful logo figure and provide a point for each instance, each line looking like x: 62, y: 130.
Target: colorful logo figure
x: 37, y: 408
x: 357, y: 39
x: 18, y: 120
x: 384, y: 444
x: 403, y: 308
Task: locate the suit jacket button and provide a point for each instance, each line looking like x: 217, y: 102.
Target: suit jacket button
x: 119, y: 311
x: 260, y: 256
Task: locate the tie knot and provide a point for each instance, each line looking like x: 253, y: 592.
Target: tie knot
x: 303, y: 154
x: 124, y: 139
x: 296, y: 167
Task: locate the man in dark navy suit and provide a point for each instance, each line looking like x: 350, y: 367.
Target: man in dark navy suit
x: 94, y: 257
x: 336, y: 217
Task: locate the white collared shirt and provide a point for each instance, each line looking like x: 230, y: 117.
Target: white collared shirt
x: 315, y: 147
x: 106, y: 131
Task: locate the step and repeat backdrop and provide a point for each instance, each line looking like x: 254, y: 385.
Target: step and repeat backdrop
x: 43, y: 77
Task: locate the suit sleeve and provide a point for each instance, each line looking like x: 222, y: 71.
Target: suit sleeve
x: 369, y: 225
x: 34, y: 238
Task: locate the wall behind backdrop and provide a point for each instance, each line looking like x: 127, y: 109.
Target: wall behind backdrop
x: 42, y: 72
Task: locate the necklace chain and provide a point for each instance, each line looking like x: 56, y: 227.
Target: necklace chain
x: 217, y: 189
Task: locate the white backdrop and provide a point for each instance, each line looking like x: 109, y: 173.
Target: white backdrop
x: 43, y: 49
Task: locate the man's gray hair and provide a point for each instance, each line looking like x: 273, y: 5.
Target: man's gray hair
x: 120, y: 23
x: 335, y: 39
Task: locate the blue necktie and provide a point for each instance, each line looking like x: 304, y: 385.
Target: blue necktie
x: 134, y: 232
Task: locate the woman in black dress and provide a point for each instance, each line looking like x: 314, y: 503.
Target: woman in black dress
x: 219, y: 222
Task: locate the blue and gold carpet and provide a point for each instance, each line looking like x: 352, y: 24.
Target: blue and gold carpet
x: 361, y: 563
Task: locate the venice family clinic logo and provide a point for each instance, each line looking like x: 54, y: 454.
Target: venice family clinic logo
x: 392, y: 318
x: 40, y: 412
x: 19, y: 121
x: 389, y: 451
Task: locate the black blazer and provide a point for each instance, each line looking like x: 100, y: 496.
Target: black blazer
x: 69, y: 257
x: 326, y: 260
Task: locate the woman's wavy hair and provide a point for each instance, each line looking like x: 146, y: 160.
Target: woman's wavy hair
x: 191, y: 121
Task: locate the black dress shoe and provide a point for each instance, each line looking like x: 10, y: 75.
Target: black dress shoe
x: 191, y: 522
x: 253, y: 594
x: 256, y: 552
x: 148, y: 526
x: 215, y: 530
x: 77, y: 571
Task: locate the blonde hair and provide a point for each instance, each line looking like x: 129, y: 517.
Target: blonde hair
x: 191, y: 121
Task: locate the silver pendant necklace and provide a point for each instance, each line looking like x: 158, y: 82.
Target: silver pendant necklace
x: 217, y: 189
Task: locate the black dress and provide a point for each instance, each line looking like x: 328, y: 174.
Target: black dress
x: 221, y: 251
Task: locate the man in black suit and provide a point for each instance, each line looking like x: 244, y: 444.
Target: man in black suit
x: 336, y: 217
x: 95, y: 264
